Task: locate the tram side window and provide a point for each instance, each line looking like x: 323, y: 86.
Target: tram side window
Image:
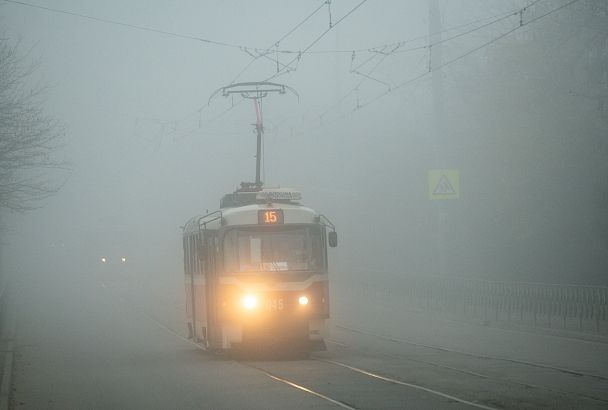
x: 191, y: 254
x: 185, y: 246
x: 195, y: 250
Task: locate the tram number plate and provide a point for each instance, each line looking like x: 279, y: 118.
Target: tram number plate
x: 274, y: 304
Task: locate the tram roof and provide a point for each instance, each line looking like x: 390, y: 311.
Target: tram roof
x: 246, y: 196
x: 248, y: 215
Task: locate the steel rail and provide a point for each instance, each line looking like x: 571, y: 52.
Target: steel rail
x: 299, y: 387
x: 402, y: 383
x: 289, y: 382
x: 481, y: 356
x: 200, y: 347
x: 482, y: 376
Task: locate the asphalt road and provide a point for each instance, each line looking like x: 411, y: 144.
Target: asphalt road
x: 87, y: 342
x: 99, y: 340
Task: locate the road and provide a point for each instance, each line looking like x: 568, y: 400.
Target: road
x: 94, y: 340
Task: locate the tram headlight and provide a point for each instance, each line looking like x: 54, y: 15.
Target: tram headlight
x: 250, y: 302
x: 103, y: 260
x: 123, y: 259
x: 303, y: 300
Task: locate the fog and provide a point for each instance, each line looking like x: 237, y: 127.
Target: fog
x: 522, y: 119
x: 511, y: 107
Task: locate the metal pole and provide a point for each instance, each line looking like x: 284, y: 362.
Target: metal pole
x: 259, y: 126
x: 437, y: 129
x: 258, y: 157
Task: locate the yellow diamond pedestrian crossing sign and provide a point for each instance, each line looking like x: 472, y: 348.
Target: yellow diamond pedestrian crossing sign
x: 444, y: 184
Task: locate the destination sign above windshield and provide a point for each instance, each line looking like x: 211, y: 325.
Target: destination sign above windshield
x: 270, y: 217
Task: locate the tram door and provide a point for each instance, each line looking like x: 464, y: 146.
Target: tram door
x: 190, y: 289
x: 211, y: 334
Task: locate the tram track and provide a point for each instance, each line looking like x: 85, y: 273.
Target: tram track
x: 410, y: 385
x: 268, y: 369
x: 176, y: 334
x: 273, y: 375
x: 476, y: 374
x: 370, y: 376
x: 299, y: 387
x: 480, y: 376
x: 476, y: 355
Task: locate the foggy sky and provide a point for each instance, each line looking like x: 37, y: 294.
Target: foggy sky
x: 519, y: 120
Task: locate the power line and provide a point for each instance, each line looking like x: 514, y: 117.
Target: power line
x: 376, y: 48
x: 316, y: 40
x: 201, y: 124
x: 302, y: 22
x: 128, y: 25
x: 242, y: 47
x: 156, y: 30
x: 548, y: 13
x: 419, y: 77
x: 265, y: 52
x: 288, y: 65
x: 397, y: 49
x: 254, y: 58
x: 486, y: 44
x: 378, y: 51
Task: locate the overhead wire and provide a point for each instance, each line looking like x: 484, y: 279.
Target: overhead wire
x: 129, y: 25
x: 426, y: 73
x: 375, y: 48
x: 317, y: 39
x: 260, y: 53
x: 289, y: 66
x: 397, y: 49
x: 464, y: 33
x: 378, y: 50
x: 265, y: 52
x: 354, y: 89
x: 242, y: 47
x: 460, y: 57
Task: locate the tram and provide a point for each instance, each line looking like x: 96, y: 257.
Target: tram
x: 256, y: 272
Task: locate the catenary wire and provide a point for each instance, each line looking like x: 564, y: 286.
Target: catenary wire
x: 428, y: 72
x: 265, y: 52
x: 317, y: 39
x: 128, y: 25
x: 460, y: 57
x: 495, y: 19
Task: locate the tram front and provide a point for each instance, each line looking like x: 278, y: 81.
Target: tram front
x: 273, y: 280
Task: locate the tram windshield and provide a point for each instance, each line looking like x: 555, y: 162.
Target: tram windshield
x: 287, y: 249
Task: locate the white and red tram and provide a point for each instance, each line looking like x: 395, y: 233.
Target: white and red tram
x: 256, y: 272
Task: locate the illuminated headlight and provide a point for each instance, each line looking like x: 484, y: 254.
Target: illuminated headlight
x: 303, y: 300
x: 123, y: 259
x: 250, y: 302
x: 103, y: 260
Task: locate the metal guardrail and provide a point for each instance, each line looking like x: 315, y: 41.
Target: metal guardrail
x: 571, y: 307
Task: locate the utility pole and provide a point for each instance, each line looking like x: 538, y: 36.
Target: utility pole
x: 255, y: 91
x: 436, y: 127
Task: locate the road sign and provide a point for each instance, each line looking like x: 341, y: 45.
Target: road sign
x: 444, y: 184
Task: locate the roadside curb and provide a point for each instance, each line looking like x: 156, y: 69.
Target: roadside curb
x: 7, y: 376
x: 8, y: 322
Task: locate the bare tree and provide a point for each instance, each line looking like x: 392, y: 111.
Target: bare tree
x: 29, y: 138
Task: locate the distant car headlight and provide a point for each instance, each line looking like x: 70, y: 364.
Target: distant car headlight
x: 250, y: 302
x: 123, y: 259
x: 303, y: 300
x: 103, y: 259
